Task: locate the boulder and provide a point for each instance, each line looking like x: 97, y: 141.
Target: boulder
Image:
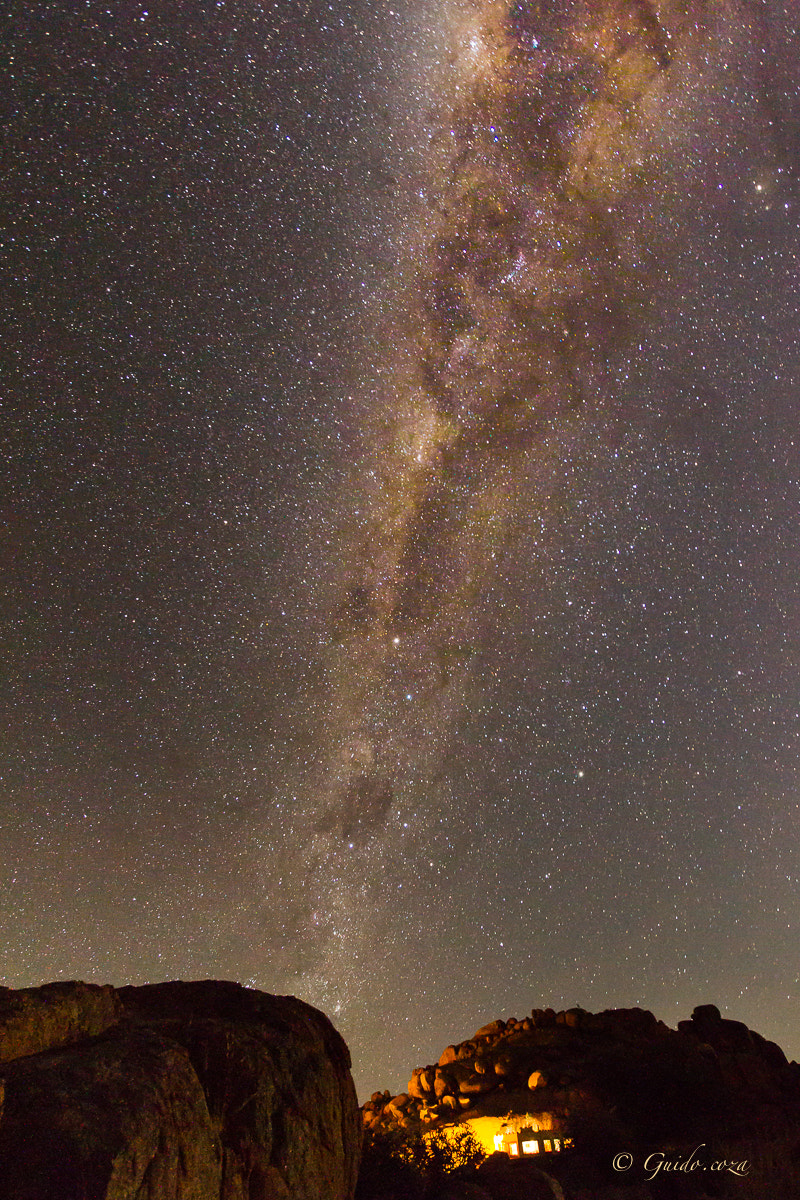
x: 443, y: 1084
x: 476, y: 1085
x: 571, y: 1017
x: 415, y: 1087
x: 708, y: 1013
x: 491, y: 1030
x: 709, y: 1026
x: 197, y: 1090
x: 632, y: 1022
x: 505, y: 1065
x: 426, y: 1079
x: 277, y: 1077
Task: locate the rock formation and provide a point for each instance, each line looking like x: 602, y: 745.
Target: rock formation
x: 174, y: 1091
x: 621, y: 1071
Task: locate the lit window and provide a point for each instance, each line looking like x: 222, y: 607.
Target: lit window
x: 530, y: 1147
x: 556, y: 1144
x: 513, y: 1149
x: 498, y: 1141
x: 548, y: 1145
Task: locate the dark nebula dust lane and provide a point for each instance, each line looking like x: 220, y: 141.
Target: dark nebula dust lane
x: 562, y: 189
x: 523, y: 292
x: 401, y: 514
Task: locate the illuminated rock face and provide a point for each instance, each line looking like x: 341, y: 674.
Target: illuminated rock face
x: 179, y: 1090
x: 519, y: 1135
x: 561, y: 1072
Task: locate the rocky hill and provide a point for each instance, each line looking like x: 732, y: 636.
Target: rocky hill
x: 618, y: 1079
x: 184, y: 1091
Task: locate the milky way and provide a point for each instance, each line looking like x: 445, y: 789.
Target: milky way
x: 557, y: 194
x: 525, y: 287
x: 401, y: 529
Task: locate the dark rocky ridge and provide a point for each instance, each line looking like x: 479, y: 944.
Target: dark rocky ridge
x: 174, y: 1091
x: 622, y: 1068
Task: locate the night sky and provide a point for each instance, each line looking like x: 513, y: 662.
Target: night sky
x: 401, y: 507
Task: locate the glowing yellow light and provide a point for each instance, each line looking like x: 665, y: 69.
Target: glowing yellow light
x: 490, y: 1132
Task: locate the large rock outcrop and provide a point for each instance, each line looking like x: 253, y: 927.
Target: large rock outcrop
x: 174, y: 1091
x: 620, y: 1069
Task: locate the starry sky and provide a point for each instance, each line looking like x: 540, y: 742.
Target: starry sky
x: 400, y: 507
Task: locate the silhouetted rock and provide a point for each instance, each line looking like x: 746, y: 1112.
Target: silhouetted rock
x: 180, y: 1090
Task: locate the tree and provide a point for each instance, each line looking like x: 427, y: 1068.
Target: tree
x: 406, y: 1165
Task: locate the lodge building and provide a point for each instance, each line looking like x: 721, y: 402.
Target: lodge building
x: 521, y: 1143
x: 519, y: 1135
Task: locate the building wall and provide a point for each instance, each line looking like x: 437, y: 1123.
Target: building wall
x: 512, y: 1131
